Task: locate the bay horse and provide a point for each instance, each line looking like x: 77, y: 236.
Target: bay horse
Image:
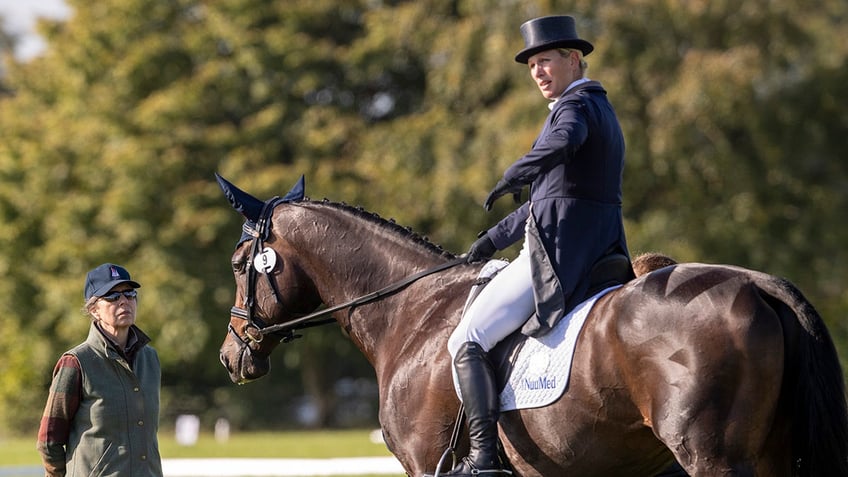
x: 728, y: 371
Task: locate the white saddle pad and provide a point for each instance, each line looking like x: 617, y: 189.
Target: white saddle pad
x: 541, y: 370
x: 542, y: 367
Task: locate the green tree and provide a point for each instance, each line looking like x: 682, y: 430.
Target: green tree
x: 129, y: 113
x: 734, y: 136
x: 7, y: 48
x: 411, y: 109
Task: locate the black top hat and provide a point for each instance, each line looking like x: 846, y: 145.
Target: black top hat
x: 547, y: 33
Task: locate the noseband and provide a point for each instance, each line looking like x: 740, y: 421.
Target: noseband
x: 256, y: 329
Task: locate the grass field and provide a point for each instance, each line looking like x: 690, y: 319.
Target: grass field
x: 300, y: 444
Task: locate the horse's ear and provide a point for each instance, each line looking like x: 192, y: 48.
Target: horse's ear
x: 298, y: 192
x: 247, y: 205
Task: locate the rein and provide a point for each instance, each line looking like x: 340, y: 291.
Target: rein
x: 285, y: 331
x: 304, y: 321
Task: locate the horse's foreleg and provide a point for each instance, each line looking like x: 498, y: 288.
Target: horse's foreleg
x: 418, y: 418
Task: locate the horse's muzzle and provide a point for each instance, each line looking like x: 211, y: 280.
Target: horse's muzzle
x: 242, y: 364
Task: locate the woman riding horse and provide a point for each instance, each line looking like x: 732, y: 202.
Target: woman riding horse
x: 572, y: 219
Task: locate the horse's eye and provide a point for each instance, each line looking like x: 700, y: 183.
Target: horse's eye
x: 238, y: 266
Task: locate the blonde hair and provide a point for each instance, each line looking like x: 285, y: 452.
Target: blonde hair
x: 583, y: 65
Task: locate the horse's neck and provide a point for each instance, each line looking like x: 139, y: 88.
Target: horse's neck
x: 351, y: 255
x: 396, y: 320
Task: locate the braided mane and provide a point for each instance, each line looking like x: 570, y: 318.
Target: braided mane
x: 390, y: 224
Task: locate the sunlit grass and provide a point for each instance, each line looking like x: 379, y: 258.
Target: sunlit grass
x: 303, y: 444
x: 300, y: 444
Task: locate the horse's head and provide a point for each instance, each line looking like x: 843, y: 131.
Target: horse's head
x: 271, y: 290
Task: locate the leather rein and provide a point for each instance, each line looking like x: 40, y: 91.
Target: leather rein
x: 285, y: 332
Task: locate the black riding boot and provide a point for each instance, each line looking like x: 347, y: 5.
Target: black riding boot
x: 480, y: 397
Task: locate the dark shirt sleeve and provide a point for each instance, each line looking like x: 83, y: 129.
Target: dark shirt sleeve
x: 511, y: 228
x: 565, y: 136
x: 62, y: 404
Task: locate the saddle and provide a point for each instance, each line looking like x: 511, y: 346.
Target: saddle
x: 610, y: 270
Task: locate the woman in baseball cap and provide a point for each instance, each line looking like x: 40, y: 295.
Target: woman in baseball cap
x: 102, y: 412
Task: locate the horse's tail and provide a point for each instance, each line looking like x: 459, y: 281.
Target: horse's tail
x: 819, y: 409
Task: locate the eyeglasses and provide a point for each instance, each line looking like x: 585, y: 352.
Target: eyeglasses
x: 115, y: 296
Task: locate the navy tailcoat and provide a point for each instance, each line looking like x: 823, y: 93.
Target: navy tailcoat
x: 573, y: 216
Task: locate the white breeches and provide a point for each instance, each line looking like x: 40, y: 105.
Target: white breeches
x: 501, y: 307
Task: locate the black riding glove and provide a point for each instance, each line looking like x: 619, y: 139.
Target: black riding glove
x: 481, y: 249
x: 502, y: 188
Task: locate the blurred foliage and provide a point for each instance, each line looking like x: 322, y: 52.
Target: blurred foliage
x: 8, y: 41
x: 411, y: 109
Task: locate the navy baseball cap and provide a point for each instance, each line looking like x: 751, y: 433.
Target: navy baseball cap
x: 104, y: 278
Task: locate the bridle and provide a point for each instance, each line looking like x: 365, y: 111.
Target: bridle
x: 260, y: 231
x: 256, y: 329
